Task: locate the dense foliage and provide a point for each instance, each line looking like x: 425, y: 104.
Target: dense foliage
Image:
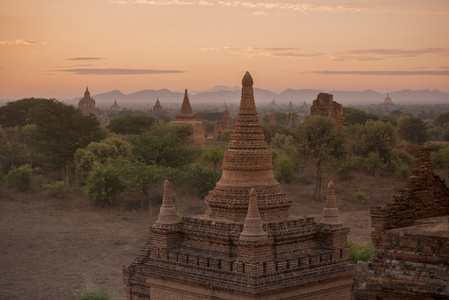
x: 131, y: 124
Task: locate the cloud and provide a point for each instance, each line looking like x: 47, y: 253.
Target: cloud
x: 84, y: 58
x: 20, y: 42
x: 403, y: 52
x: 260, y: 51
x: 73, y: 66
x: 246, y: 49
x: 353, y: 58
x: 88, y: 71
x: 355, y: 6
x: 383, y: 73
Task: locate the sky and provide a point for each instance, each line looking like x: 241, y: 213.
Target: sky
x: 54, y: 48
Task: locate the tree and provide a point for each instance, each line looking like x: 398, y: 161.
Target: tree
x: 377, y: 137
x: 441, y: 119
x: 356, y: 116
x: 131, y: 124
x: 17, y: 113
x: 413, y: 130
x: 225, y: 135
x: 104, y: 184
x: 100, y: 153
x: 60, y: 130
x: 182, y: 132
x: 139, y: 175
x: 322, y: 139
x: 213, y: 155
x: 159, y: 146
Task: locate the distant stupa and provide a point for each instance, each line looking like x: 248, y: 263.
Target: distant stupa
x: 387, y: 100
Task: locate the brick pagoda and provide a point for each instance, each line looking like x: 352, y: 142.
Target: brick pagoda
x: 199, y: 132
x: 246, y: 245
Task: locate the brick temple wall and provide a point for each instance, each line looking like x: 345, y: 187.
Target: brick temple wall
x: 412, y: 263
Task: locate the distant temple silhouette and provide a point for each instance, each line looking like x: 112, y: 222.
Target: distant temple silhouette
x: 158, y: 109
x: 225, y: 123
x: 88, y: 106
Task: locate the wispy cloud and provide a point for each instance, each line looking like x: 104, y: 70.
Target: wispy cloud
x: 260, y: 51
x: 403, y: 52
x: 341, y: 56
x: 295, y: 6
x: 74, y: 66
x: 85, y: 58
x: 108, y: 71
x: 20, y: 42
x: 352, y: 58
x: 383, y: 73
x: 379, y: 54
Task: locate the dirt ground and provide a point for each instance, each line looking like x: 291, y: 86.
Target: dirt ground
x: 50, y: 248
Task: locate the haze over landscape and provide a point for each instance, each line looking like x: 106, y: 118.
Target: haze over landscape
x: 53, y: 49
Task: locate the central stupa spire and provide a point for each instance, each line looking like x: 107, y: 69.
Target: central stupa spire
x: 247, y: 163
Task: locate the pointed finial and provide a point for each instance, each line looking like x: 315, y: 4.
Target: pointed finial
x: 253, y: 226
x: 167, y: 213
x: 331, y: 215
x: 247, y: 80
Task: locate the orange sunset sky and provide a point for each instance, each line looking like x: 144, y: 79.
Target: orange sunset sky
x: 54, y: 48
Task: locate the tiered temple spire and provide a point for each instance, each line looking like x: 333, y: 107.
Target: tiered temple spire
x: 247, y: 164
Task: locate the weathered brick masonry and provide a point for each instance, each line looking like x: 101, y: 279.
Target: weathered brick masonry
x: 411, y: 237
x: 325, y: 106
x: 246, y: 245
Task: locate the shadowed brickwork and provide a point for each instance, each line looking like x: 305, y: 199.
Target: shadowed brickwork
x: 411, y: 237
x: 246, y: 245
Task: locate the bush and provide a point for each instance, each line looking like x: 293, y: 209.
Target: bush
x: 94, y: 292
x: 200, y: 179
x: 360, y: 197
x: 404, y: 173
x: 20, y: 178
x: 359, y: 252
x: 284, y: 171
x: 345, y: 167
x: 440, y: 158
x: 104, y: 184
x: 54, y: 190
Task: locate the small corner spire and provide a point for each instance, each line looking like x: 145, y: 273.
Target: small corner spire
x: 253, y: 226
x: 167, y: 213
x: 331, y: 215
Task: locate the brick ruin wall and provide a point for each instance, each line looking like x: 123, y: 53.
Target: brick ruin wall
x: 325, y: 106
x: 411, y: 237
x: 425, y: 195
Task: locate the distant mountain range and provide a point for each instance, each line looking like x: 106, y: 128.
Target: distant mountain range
x: 231, y: 95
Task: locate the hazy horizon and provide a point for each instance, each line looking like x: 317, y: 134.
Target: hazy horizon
x: 54, y: 49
